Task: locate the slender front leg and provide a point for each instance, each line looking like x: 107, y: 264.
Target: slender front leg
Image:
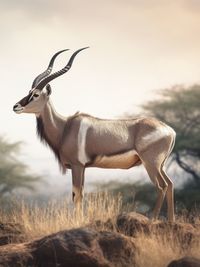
x: 78, y: 183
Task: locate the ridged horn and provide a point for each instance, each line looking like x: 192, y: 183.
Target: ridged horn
x: 51, y: 77
x: 48, y: 70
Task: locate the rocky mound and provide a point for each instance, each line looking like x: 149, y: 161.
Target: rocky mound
x: 81, y: 247
x: 185, y: 262
x: 11, y: 232
x: 133, y: 223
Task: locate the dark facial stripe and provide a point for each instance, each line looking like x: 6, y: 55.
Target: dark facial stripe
x: 24, y: 101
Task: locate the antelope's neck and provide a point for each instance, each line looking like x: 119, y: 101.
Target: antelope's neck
x: 50, y: 126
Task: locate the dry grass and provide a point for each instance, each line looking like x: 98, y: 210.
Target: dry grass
x: 56, y: 215
x: 161, y: 247
x: 159, y: 250
x: 155, y: 250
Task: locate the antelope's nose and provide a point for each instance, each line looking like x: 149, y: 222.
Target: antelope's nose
x: 16, y: 106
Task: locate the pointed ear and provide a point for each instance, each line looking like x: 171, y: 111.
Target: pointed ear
x: 48, y: 88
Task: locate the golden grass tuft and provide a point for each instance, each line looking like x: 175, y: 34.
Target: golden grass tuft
x: 159, y: 250
x: 56, y: 215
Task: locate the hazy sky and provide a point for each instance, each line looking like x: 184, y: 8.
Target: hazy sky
x: 136, y: 46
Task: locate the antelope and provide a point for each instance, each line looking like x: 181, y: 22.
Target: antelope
x: 81, y: 140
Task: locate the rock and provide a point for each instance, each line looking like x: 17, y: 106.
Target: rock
x: 185, y: 262
x: 11, y: 233
x: 99, y: 225
x: 132, y: 223
x: 183, y: 233
x: 81, y: 247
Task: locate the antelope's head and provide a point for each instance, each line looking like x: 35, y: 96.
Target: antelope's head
x: 39, y: 94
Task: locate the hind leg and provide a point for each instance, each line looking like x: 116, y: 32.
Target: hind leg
x: 169, y: 196
x: 161, y: 187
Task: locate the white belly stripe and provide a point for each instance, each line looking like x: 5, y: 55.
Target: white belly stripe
x: 82, y: 156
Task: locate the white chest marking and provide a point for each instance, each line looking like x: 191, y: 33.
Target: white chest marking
x: 82, y: 134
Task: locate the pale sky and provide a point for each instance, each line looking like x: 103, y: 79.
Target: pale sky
x: 136, y: 46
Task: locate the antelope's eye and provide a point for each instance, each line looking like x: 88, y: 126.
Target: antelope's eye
x: 35, y: 95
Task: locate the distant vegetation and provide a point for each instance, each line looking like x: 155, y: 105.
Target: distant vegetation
x: 13, y: 173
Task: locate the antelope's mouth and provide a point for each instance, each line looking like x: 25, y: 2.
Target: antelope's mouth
x: 18, y: 109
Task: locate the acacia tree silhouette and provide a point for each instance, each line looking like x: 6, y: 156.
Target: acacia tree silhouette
x: 13, y: 173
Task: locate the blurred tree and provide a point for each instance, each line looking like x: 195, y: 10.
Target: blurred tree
x: 13, y: 173
x: 135, y: 196
x: 179, y: 107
